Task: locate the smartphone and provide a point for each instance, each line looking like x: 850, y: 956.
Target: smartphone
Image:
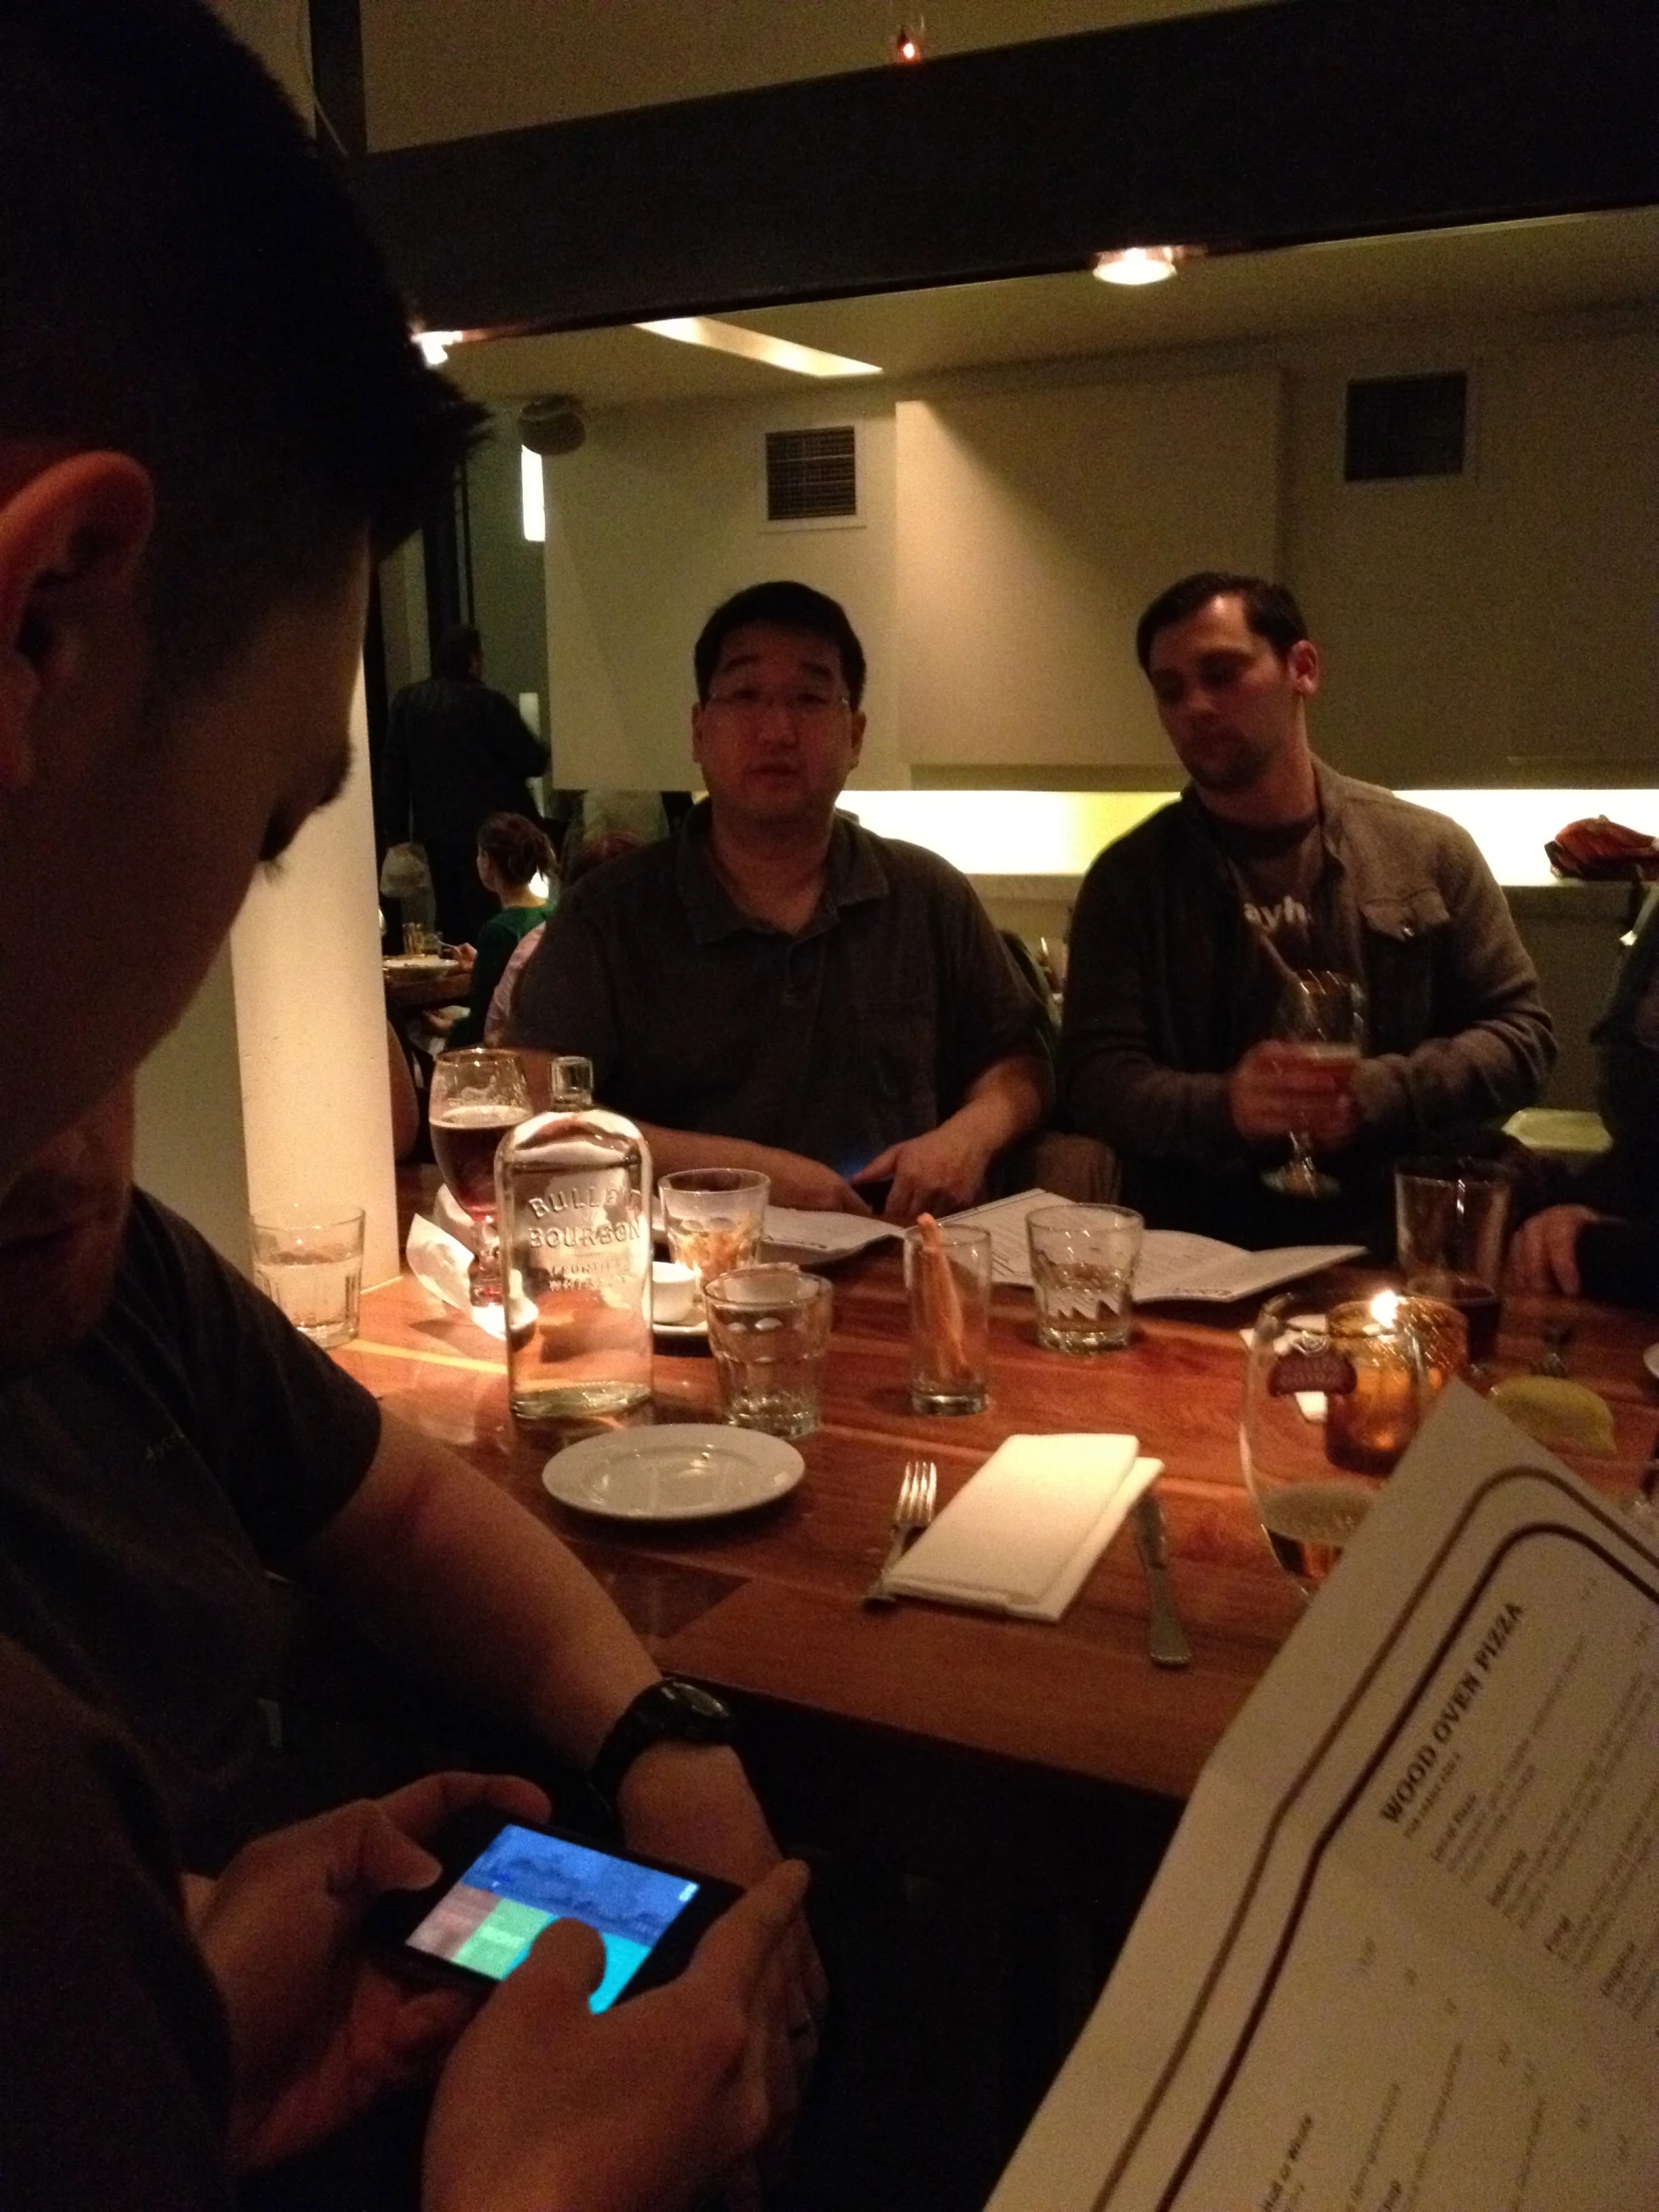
x: 503, y: 1882
x: 875, y: 1195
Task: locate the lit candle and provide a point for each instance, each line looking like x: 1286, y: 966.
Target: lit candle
x: 1368, y: 1426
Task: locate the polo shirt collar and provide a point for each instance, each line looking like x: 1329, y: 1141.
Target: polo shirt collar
x: 854, y: 876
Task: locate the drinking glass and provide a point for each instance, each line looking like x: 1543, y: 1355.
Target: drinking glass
x: 308, y: 1261
x: 768, y: 1330
x: 1332, y: 1398
x: 948, y: 1271
x: 1082, y: 1271
x: 714, y: 1217
x: 476, y: 1098
x: 1450, y: 1219
x: 1321, y: 1012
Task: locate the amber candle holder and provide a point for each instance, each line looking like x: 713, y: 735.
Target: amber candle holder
x: 1444, y: 1335
x: 1368, y: 1426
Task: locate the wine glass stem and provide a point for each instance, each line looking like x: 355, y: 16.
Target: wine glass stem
x: 485, y: 1275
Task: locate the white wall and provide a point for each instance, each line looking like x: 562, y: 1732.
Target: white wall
x: 659, y: 517
x: 1033, y: 527
x: 1501, y: 627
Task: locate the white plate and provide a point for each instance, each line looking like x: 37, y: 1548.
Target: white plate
x: 693, y: 1330
x: 685, y: 1471
x: 1650, y: 1361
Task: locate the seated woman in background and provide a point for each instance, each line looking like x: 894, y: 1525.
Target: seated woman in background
x: 512, y: 856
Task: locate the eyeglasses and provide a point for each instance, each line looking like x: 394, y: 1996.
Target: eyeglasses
x: 749, y: 702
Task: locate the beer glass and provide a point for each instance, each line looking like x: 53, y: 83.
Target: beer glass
x: 476, y: 1098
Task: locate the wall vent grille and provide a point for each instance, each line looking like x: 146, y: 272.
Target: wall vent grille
x: 813, y: 475
x: 1406, y: 426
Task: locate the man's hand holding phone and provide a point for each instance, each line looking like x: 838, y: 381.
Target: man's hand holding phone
x: 645, y: 2108
x: 318, y: 2029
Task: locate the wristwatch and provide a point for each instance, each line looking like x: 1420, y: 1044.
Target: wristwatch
x: 670, y: 1711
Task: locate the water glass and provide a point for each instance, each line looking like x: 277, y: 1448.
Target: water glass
x: 1083, y: 1262
x: 714, y: 1217
x: 1451, y: 1216
x: 947, y: 1273
x: 768, y: 1330
x: 308, y: 1261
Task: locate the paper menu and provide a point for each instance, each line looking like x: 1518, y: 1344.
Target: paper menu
x: 1173, y: 1264
x: 1404, y: 1950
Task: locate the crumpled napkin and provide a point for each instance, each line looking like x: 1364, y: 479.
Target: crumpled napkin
x: 1022, y: 1534
x: 439, y: 1264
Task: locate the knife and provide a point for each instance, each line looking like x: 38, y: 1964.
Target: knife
x: 1166, y: 1641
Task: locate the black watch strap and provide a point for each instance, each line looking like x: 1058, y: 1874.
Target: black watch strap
x: 669, y: 1711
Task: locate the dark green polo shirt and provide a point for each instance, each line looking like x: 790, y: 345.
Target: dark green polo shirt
x: 863, y: 1030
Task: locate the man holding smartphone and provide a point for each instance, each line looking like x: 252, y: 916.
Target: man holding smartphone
x: 210, y: 418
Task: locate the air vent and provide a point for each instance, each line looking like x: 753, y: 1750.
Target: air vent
x: 1406, y: 426
x: 813, y: 475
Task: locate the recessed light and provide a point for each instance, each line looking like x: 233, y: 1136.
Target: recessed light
x: 756, y: 345
x: 1139, y: 264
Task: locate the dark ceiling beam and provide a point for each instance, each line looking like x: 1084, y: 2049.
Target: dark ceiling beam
x: 1266, y: 124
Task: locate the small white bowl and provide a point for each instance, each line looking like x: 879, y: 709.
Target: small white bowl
x: 673, y: 1293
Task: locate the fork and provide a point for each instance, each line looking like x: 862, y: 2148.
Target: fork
x: 913, y: 1511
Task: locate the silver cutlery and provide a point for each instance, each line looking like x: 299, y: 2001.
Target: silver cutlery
x: 913, y: 1511
x: 1166, y: 1639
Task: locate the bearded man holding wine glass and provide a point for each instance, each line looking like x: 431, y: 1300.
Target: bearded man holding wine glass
x: 1198, y: 939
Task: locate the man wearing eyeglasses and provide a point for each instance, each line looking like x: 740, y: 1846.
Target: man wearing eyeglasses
x: 777, y: 989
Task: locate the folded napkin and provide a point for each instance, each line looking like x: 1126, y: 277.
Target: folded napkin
x: 1022, y: 1535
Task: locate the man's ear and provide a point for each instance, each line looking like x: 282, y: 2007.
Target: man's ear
x: 1302, y: 661
x: 856, y: 725
x: 73, y: 537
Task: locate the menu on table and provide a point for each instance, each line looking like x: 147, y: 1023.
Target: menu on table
x: 1404, y: 1952
x: 1174, y: 1263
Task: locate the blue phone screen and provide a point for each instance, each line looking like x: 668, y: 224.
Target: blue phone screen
x: 524, y: 1880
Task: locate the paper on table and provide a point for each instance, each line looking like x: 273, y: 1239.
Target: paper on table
x: 1005, y: 1218
x: 1178, y: 1264
x: 1022, y: 1535
x: 1173, y: 1265
x: 807, y: 1231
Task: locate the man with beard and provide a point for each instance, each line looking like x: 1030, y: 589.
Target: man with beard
x: 1270, y: 862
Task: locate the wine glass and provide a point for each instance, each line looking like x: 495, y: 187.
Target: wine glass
x: 1333, y: 1396
x: 1322, y: 1014
x: 476, y: 1098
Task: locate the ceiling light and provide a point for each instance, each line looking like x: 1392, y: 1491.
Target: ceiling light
x: 436, y: 344
x: 754, y: 345
x: 532, y: 496
x: 1139, y: 264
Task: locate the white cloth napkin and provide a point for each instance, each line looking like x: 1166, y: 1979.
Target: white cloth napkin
x: 1022, y: 1535
x: 439, y: 1263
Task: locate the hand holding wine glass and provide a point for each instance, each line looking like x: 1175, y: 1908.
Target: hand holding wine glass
x: 476, y: 1098
x: 1321, y: 1037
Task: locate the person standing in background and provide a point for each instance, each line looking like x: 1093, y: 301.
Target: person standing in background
x: 456, y: 753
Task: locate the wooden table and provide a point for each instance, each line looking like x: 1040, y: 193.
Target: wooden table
x: 766, y: 1604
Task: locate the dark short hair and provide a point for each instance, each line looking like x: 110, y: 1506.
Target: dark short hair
x: 782, y: 606
x: 456, y: 650
x: 182, y: 279
x: 516, y: 848
x: 1270, y: 610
